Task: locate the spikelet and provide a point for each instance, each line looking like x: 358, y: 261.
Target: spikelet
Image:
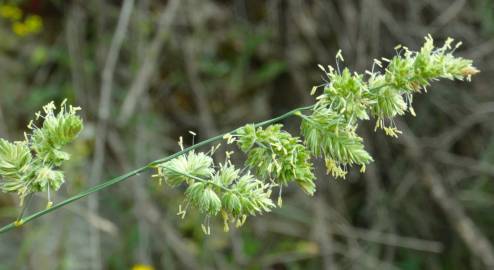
x: 31, y: 165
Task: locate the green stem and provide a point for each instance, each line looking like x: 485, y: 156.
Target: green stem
x: 126, y: 176
x: 26, y: 204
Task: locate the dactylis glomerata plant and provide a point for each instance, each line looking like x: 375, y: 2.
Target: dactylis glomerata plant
x: 274, y: 157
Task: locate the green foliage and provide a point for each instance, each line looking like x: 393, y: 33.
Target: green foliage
x: 31, y: 165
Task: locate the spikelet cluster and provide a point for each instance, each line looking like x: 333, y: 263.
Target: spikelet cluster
x: 33, y: 165
x: 382, y: 93
x: 216, y: 190
x: 276, y: 155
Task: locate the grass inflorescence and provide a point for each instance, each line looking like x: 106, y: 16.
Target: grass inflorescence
x: 274, y: 158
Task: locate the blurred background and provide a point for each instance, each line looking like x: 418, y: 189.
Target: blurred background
x: 147, y: 71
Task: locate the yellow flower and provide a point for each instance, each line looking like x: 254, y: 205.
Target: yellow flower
x: 20, y: 29
x: 142, y: 267
x: 34, y: 23
x: 10, y: 12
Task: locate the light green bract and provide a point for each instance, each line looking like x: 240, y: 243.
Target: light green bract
x: 33, y: 165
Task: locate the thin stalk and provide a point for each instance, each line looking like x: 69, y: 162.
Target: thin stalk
x: 26, y: 204
x: 151, y: 165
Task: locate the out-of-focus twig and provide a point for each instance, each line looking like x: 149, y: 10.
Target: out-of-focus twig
x: 147, y: 69
x: 465, y: 162
x: 474, y: 239
x: 355, y: 233
x: 97, y: 221
x: 481, y: 113
x: 449, y: 13
x: 480, y: 51
x: 75, y: 32
x: 140, y: 193
x: 206, y: 120
x: 389, y: 239
x: 358, y: 256
x: 174, y: 239
x: 287, y: 15
x: 323, y: 234
x: 103, y: 116
x: 3, y: 126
